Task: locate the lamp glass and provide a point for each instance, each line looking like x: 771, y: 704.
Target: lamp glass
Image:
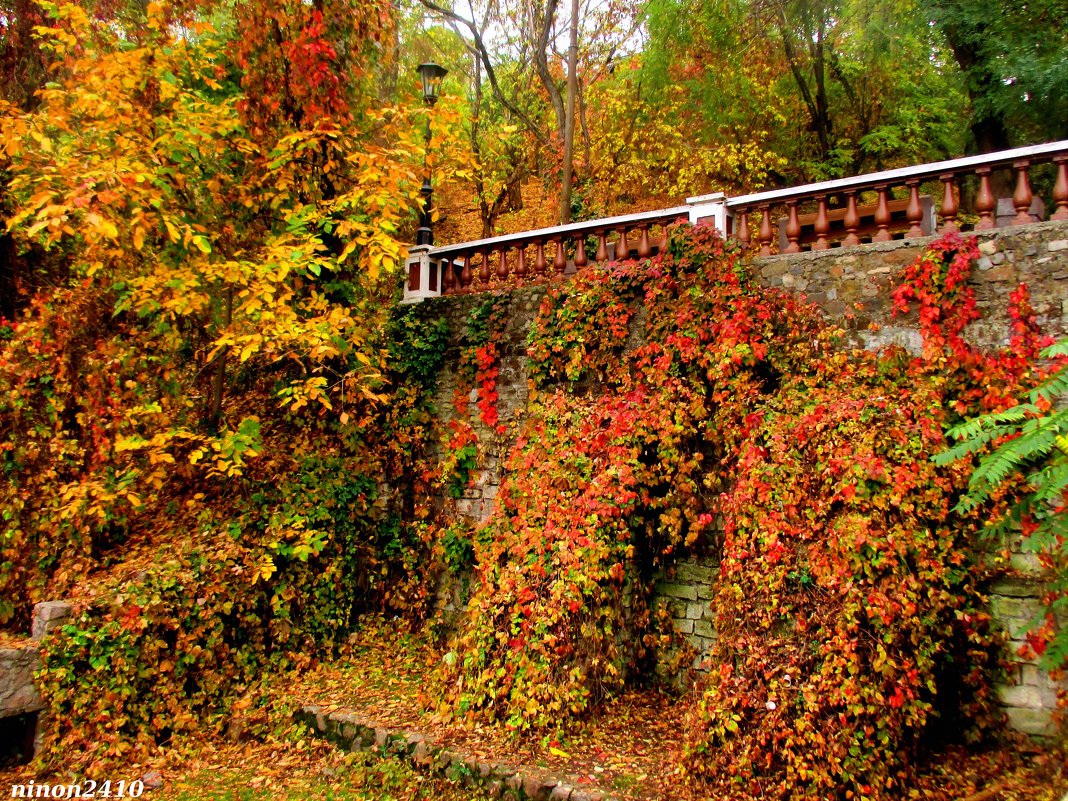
x: 431, y: 75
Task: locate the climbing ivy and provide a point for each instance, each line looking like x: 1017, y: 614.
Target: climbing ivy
x: 847, y: 608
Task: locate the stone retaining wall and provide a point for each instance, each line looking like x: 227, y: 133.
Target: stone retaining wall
x: 1028, y: 697
x: 853, y: 288
x: 18, y: 692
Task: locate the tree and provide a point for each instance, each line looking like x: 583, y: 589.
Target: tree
x: 204, y: 231
x: 1012, y: 58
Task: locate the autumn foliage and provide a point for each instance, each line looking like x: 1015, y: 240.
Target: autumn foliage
x: 732, y: 423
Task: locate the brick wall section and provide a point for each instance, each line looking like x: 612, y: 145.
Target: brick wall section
x: 838, y: 281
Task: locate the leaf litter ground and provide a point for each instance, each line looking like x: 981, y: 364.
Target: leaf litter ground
x: 630, y: 749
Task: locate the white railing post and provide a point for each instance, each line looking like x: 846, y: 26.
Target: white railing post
x: 710, y: 210
x: 421, y: 278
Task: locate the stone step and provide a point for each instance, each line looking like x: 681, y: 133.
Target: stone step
x: 352, y: 732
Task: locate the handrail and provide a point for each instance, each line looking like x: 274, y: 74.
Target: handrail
x: 608, y: 223
x: 924, y: 172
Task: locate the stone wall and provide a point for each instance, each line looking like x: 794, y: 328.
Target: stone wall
x: 853, y: 288
x: 20, y: 702
x: 520, y: 307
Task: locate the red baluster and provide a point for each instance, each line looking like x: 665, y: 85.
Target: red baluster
x: 949, y: 203
x: 662, y: 243
x: 882, y: 215
x: 521, y: 264
x: 914, y: 213
x: 580, y: 252
x: 742, y: 234
x: 823, y: 225
x: 645, y: 250
x: 602, y: 247
x: 502, y: 264
x: 448, y: 285
x: 765, y: 231
x: 793, y: 228
x: 1060, y: 189
x: 852, y: 221
x: 985, y: 202
x: 465, y: 274
x: 1021, y: 198
x: 560, y: 262
x: 622, y: 246
x: 484, y: 271
x: 540, y: 265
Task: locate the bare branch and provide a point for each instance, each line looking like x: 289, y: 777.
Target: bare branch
x: 491, y: 75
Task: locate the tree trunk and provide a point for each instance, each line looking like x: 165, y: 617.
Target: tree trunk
x: 218, y: 378
x: 569, y: 120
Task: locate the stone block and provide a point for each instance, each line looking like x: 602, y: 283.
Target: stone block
x: 1034, y: 676
x: 699, y: 611
x: 1016, y: 588
x: 672, y: 589
x: 537, y: 787
x: 1035, y: 722
x: 703, y: 628
x: 1057, y: 244
x: 18, y: 693
x: 683, y: 626
x: 48, y: 616
x: 695, y: 572
x: 1028, y: 697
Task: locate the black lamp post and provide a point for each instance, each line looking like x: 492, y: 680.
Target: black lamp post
x: 431, y: 75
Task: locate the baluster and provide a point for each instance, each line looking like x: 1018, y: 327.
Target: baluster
x: 1060, y: 189
x: 484, y: 270
x: 465, y: 274
x: 521, y: 264
x: 1021, y: 198
x: 662, y: 243
x: 602, y: 247
x: 949, y: 203
x: 882, y: 215
x: 560, y: 262
x: 580, y: 252
x: 765, y: 231
x: 645, y: 250
x: 823, y: 225
x: 448, y: 285
x: 985, y: 202
x: 852, y: 221
x: 540, y: 265
x: 502, y: 265
x: 742, y: 234
x: 793, y: 228
x: 622, y: 246
x: 914, y: 213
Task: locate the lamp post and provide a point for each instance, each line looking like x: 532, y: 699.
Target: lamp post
x: 431, y: 75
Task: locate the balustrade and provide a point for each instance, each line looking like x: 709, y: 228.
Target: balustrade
x: 839, y: 213
x: 866, y: 208
x: 557, y: 252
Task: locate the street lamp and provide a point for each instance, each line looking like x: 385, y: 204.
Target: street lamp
x: 431, y: 76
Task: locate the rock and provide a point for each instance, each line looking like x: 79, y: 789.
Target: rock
x: 153, y: 779
x: 48, y: 616
x: 18, y: 693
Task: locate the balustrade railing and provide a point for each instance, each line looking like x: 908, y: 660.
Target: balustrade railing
x: 838, y: 213
x: 850, y: 221
x: 543, y: 254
